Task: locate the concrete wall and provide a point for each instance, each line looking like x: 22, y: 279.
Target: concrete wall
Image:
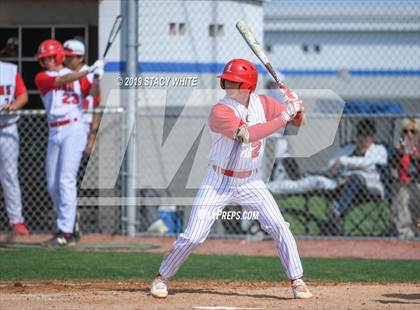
x: 30, y: 12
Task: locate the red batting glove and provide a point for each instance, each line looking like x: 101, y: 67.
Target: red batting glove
x: 294, y: 104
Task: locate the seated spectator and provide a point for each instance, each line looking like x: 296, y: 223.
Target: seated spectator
x: 405, y: 159
x: 350, y: 173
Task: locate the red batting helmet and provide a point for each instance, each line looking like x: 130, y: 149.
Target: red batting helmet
x: 51, y: 48
x: 240, y: 70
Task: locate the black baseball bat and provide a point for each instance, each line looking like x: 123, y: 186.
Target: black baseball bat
x: 113, y: 34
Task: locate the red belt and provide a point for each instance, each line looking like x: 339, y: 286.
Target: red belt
x: 4, y: 126
x: 231, y: 173
x: 62, y: 123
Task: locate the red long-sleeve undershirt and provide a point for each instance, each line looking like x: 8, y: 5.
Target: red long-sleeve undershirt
x: 224, y: 120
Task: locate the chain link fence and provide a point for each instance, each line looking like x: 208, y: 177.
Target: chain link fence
x: 304, y: 190
x: 38, y: 210
x: 363, y: 190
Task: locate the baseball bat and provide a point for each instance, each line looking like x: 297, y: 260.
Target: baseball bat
x: 113, y: 34
x: 256, y: 47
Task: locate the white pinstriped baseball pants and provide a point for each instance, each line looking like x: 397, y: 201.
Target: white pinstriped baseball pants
x: 215, y: 193
x: 9, y: 180
x: 64, y: 153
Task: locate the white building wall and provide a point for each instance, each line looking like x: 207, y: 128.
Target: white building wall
x: 346, y: 50
x: 372, y: 46
x: 191, y: 53
x: 108, y: 11
x: 196, y: 45
x: 157, y: 45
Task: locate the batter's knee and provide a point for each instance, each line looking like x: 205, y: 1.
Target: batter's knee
x: 10, y: 176
x: 276, y: 227
x: 52, y: 186
x: 192, y: 241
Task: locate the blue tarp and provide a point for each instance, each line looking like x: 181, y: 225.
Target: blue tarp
x: 358, y: 107
x: 372, y: 107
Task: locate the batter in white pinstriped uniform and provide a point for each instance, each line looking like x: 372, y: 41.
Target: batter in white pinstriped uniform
x: 239, y: 124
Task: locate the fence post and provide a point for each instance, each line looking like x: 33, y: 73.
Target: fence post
x: 131, y: 165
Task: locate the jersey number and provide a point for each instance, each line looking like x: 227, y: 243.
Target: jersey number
x: 6, y: 90
x: 70, y: 98
x: 256, y: 146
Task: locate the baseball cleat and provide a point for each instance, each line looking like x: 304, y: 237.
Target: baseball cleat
x: 159, y: 288
x: 60, y: 240
x: 19, y: 229
x: 300, y: 290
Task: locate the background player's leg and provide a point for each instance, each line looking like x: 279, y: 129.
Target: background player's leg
x: 301, y: 186
x: 52, y: 171
x: 69, y: 162
x: 256, y: 197
x: 9, y: 155
x: 207, y: 203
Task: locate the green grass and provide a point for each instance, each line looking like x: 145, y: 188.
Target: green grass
x: 69, y: 265
x: 373, y: 218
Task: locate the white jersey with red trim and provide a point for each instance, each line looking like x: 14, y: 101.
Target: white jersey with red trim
x: 90, y: 75
x: 60, y: 101
x: 88, y: 100
x: 7, y: 90
x: 230, y: 154
x: 11, y: 86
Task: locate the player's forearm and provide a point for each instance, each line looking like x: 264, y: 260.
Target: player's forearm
x: 299, y: 120
x: 260, y: 131
x: 65, y: 79
x: 95, y: 90
x: 96, y: 119
x: 361, y: 162
x: 20, y: 101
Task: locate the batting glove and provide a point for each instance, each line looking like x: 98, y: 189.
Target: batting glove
x: 98, y: 73
x: 241, y: 134
x: 294, y: 105
x: 97, y: 64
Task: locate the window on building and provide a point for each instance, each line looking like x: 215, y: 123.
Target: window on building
x: 172, y: 29
x: 212, y: 30
x: 311, y: 48
x: 19, y: 45
x: 216, y: 30
x: 182, y: 28
x: 220, y: 30
x: 268, y: 48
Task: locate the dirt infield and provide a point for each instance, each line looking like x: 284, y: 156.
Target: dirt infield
x: 223, y: 294
x: 205, y: 295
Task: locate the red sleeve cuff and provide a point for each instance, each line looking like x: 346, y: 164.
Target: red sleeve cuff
x: 20, y: 87
x: 44, y: 82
